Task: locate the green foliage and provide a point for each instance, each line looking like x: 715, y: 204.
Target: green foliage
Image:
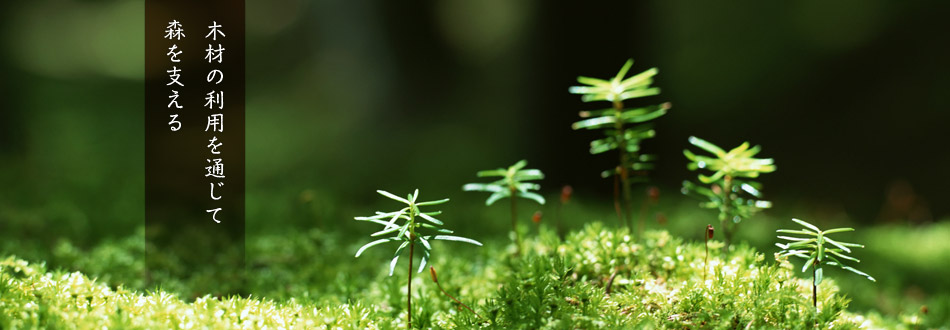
x: 657, y: 284
x: 814, y: 249
x: 617, y: 88
x: 818, y: 249
x: 558, y: 285
x: 544, y: 295
x: 32, y: 298
x: 117, y: 261
x: 624, y: 128
x: 731, y: 190
x: 512, y: 183
x: 736, y: 163
x: 410, y: 231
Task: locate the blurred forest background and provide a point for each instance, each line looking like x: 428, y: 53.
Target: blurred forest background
x: 345, y: 97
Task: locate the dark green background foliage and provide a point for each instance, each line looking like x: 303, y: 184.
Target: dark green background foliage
x: 848, y: 97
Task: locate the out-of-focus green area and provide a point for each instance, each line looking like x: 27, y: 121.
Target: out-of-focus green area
x: 345, y: 97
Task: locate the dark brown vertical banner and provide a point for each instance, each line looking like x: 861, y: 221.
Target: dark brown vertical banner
x: 194, y: 144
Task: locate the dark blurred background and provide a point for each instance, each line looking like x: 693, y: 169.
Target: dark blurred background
x: 346, y: 97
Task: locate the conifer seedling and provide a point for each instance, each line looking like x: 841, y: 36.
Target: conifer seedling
x: 624, y: 128
x: 404, y: 226
x: 512, y: 183
x: 819, y: 250
x: 730, y: 188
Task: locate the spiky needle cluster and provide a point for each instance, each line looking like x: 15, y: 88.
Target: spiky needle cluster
x: 411, y: 230
x: 512, y: 183
x: 818, y: 249
x: 624, y: 128
x: 730, y: 188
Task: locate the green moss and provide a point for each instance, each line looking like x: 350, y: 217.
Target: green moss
x: 34, y: 298
x: 298, y: 284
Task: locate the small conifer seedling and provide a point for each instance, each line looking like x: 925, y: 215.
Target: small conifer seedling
x: 625, y: 128
x: 512, y: 184
x: 404, y: 226
x: 731, y: 190
x: 818, y: 249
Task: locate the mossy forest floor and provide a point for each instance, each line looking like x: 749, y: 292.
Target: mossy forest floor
x: 301, y: 281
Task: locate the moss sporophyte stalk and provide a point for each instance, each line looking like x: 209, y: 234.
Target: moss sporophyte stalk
x: 435, y: 279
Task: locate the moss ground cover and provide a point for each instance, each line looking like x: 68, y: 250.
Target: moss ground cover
x: 297, y: 283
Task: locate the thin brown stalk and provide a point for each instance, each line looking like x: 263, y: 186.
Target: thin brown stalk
x: 610, y: 282
x: 436, y: 280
